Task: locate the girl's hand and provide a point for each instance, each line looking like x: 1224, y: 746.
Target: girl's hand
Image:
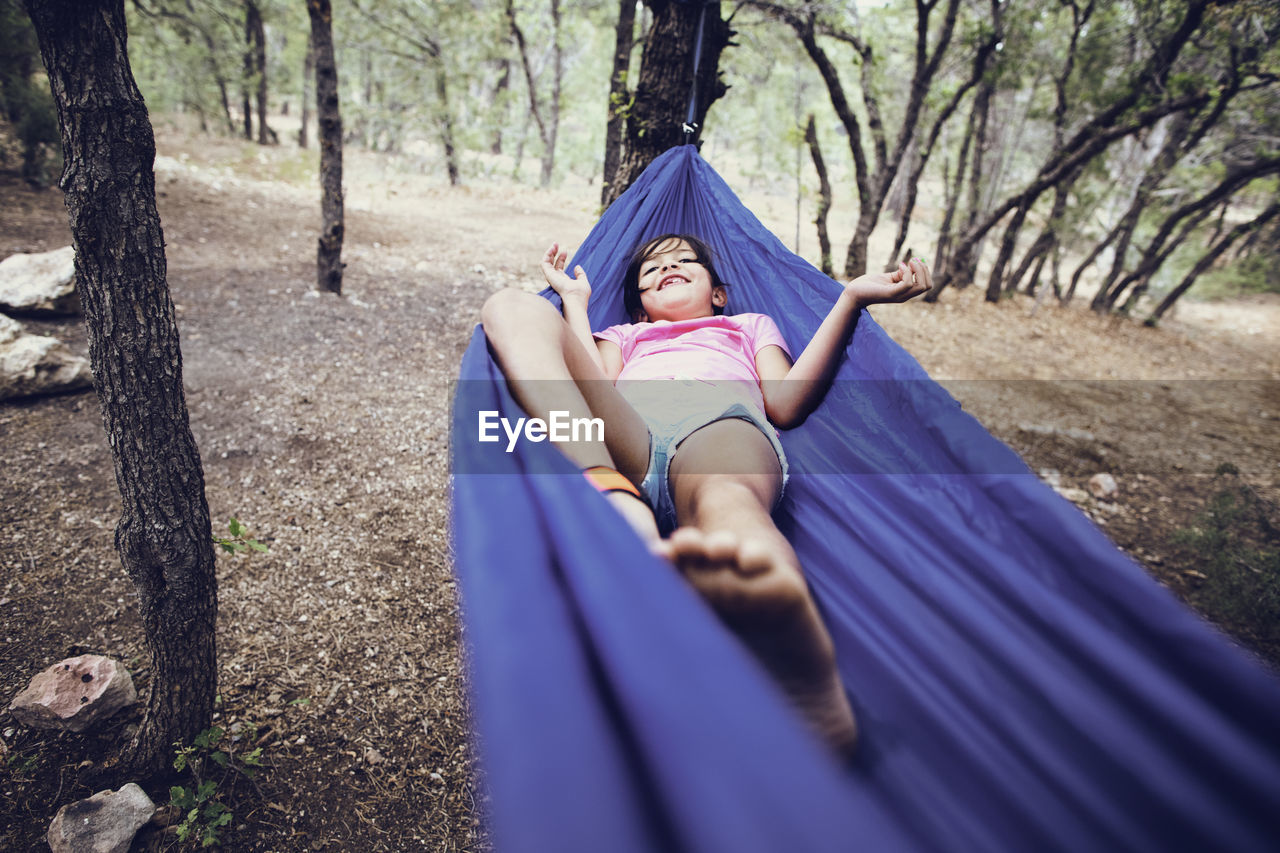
x: 553, y: 271
x: 906, y: 282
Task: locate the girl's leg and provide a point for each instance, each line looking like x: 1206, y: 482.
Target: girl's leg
x: 725, y: 478
x: 548, y: 370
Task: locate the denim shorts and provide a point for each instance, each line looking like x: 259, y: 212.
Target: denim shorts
x: 674, y: 409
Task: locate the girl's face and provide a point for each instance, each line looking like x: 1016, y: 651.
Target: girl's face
x: 674, y: 285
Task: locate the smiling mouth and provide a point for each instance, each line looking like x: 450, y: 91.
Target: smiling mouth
x: 672, y: 279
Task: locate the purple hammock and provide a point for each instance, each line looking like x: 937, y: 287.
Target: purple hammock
x: 1020, y: 684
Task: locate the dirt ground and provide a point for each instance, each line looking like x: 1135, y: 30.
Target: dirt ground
x: 322, y: 423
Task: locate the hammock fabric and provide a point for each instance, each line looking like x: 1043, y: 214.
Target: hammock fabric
x: 1019, y: 683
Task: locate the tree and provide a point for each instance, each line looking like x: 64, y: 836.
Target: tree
x: 546, y: 114
x: 308, y: 75
x: 875, y: 176
x: 329, y: 131
x: 425, y: 39
x: 1210, y: 257
x: 619, y: 94
x: 255, y: 36
x: 207, y: 23
x: 824, y: 194
x: 668, y: 82
x: 163, y: 537
x: 24, y: 101
x: 1139, y: 101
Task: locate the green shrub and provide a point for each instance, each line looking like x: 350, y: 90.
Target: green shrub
x: 1236, y: 547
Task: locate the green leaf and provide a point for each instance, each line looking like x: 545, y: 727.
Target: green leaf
x: 206, y: 790
x: 253, y: 758
x: 305, y: 700
x: 214, y: 809
x: 219, y: 758
x: 257, y: 546
x: 178, y: 796
x: 235, y: 528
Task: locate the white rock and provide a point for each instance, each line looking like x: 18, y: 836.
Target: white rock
x: 1076, y: 496
x: 32, y: 365
x: 44, y: 283
x: 1103, y: 485
x: 104, y: 823
x: 1051, y: 476
x: 74, y: 694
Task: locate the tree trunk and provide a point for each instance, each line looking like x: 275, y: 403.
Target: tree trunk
x: 258, y: 40
x: 246, y: 73
x: 619, y: 94
x: 873, y: 181
x: 548, y: 125
x: 557, y: 83
x: 1210, y: 257
x: 499, y: 100
x: 446, y: 123
x: 1193, y: 212
x: 329, y: 251
x: 1116, y: 121
x: 308, y: 72
x: 163, y: 536
x: 824, y: 194
x: 951, y: 191
x: 666, y: 81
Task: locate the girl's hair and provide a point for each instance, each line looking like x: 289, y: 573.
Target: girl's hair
x: 631, y: 282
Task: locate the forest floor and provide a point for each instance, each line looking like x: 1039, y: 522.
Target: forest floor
x: 323, y: 422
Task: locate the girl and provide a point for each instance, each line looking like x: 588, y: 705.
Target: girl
x: 698, y: 451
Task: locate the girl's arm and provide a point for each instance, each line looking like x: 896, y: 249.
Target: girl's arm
x: 575, y: 293
x: 792, y: 391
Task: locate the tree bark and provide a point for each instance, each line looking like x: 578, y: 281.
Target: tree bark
x: 619, y: 95
x: 657, y: 118
x: 163, y: 535
x: 824, y: 194
x: 329, y: 122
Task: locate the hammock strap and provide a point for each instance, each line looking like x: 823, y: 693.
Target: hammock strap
x: 690, y: 126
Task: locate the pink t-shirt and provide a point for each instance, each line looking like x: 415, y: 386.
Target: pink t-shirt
x: 710, y: 349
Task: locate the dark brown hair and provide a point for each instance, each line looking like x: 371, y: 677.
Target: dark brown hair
x: 631, y: 282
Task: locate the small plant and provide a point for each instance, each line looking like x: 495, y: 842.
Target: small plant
x: 211, y: 760
x: 239, y: 540
x: 1236, y: 547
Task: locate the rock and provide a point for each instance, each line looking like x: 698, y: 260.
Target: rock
x: 1103, y: 485
x: 40, y: 284
x: 1051, y: 476
x: 1076, y: 496
x: 74, y: 694
x: 104, y: 823
x: 34, y: 365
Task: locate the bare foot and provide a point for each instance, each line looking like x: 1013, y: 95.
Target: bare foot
x: 760, y: 594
